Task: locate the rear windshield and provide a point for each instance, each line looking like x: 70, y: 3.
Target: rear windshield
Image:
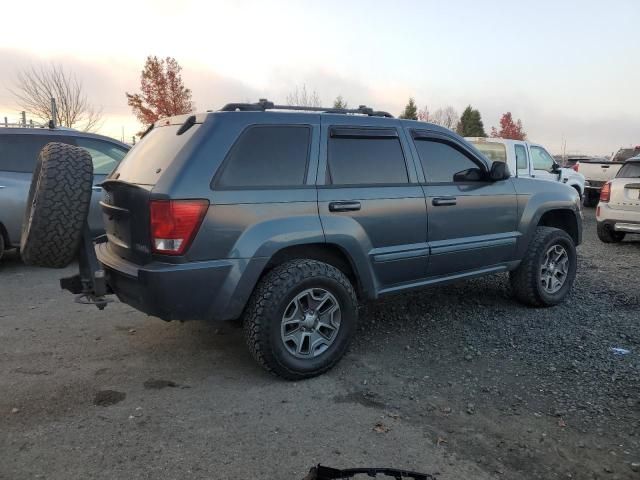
x: 151, y: 156
x: 496, y: 152
x: 629, y: 170
x: 625, y: 154
x: 19, y: 152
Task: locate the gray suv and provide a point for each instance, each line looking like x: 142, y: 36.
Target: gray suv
x: 288, y: 218
x: 19, y: 149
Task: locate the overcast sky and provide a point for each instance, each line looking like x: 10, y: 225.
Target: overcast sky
x: 569, y: 69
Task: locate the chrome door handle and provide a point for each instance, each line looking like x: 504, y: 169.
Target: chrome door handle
x: 344, y: 206
x: 2, y: 186
x: 96, y: 188
x: 443, y: 201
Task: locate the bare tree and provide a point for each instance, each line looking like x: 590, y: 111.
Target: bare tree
x: 445, y: 117
x: 302, y: 98
x: 36, y: 86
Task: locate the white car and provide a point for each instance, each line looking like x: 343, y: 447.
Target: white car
x: 526, y: 159
x: 618, y: 212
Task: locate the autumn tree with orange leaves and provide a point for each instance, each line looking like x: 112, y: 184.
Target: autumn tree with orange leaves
x: 509, y: 129
x: 163, y: 93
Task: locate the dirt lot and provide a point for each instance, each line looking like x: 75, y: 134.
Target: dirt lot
x: 457, y: 381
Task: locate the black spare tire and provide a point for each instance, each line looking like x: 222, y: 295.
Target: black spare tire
x: 57, y: 206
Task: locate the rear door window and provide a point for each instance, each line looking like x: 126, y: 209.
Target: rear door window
x: 365, y: 157
x: 267, y: 156
x: 106, y: 156
x: 521, y: 157
x: 19, y: 152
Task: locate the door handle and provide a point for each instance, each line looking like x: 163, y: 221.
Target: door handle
x: 443, y: 201
x: 2, y: 186
x: 96, y: 188
x: 344, y: 206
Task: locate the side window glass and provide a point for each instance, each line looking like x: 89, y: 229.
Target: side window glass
x: 19, y: 152
x: 540, y: 159
x: 268, y: 156
x: 365, y: 161
x: 441, y: 161
x: 521, y: 157
x: 106, y: 156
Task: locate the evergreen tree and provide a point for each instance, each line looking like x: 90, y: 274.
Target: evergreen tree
x: 470, y: 124
x: 339, y: 102
x: 410, y: 111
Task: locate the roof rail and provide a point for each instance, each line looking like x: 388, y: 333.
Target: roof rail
x: 263, y: 104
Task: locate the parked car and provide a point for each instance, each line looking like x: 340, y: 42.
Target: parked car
x: 19, y: 149
x: 528, y: 160
x: 618, y: 212
x: 286, y: 219
x: 599, y: 172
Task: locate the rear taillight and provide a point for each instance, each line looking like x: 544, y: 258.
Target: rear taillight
x: 174, y: 223
x: 605, y: 193
x: 576, y: 166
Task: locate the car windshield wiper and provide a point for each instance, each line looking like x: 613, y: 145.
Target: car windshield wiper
x: 327, y: 473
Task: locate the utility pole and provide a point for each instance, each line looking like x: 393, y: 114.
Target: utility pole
x: 54, y: 112
x: 24, y: 118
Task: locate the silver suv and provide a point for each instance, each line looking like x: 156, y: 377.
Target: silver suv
x: 19, y: 149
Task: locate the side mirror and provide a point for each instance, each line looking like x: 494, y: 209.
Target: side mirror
x: 468, y: 175
x: 499, y: 171
x: 555, y: 168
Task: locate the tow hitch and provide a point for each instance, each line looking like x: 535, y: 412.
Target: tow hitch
x: 89, y: 284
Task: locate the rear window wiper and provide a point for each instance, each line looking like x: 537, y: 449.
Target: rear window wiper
x: 327, y: 473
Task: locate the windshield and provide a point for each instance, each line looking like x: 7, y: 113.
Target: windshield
x: 629, y: 170
x: 496, y: 152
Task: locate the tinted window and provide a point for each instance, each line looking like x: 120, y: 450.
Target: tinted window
x: 521, y: 157
x: 267, y: 156
x: 366, y: 161
x: 440, y: 161
x: 105, y: 155
x: 629, y: 170
x: 18, y: 153
x: 540, y: 159
x: 151, y: 156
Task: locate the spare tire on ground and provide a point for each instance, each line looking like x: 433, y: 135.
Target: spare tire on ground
x: 57, y: 206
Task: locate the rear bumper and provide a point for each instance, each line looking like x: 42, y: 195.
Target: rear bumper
x: 211, y: 290
x: 620, y: 220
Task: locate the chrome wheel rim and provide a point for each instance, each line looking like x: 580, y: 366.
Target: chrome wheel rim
x: 310, y: 323
x: 554, y: 269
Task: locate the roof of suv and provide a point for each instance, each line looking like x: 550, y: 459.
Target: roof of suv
x: 67, y: 132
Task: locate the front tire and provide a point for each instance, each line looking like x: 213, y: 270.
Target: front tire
x: 301, y: 319
x: 607, y: 234
x: 546, y: 274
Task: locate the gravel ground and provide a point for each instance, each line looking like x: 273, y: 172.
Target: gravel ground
x: 457, y: 381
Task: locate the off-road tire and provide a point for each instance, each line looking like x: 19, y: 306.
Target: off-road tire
x: 590, y: 198
x: 57, y: 206
x: 263, y: 316
x: 607, y: 234
x: 525, y: 280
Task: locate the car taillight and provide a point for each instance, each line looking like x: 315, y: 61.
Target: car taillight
x: 174, y: 224
x: 576, y: 166
x: 605, y: 193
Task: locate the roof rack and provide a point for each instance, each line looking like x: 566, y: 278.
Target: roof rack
x: 263, y: 104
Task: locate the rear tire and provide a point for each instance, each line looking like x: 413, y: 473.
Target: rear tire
x: 1, y: 245
x: 531, y: 282
x: 279, y: 298
x: 57, y: 206
x: 591, y: 198
x: 607, y: 234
